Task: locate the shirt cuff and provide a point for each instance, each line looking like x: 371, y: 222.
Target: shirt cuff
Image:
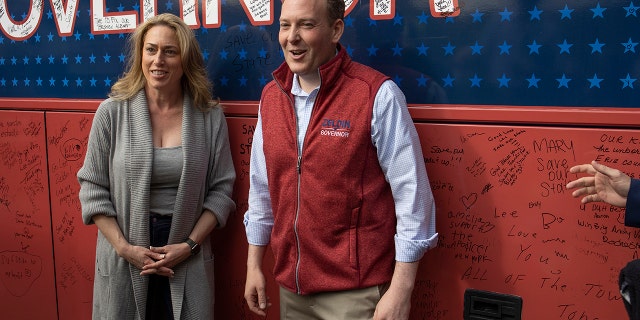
x: 413, y: 250
x: 258, y: 234
x: 632, y: 212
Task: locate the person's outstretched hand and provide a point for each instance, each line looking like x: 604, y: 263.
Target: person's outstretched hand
x: 604, y: 184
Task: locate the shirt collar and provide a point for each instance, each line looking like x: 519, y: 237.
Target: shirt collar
x: 296, y: 90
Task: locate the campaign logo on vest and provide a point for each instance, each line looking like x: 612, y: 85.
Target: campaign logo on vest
x: 335, y: 128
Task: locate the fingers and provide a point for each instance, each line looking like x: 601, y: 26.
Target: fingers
x: 591, y: 198
x: 164, y: 254
x: 583, y: 183
x: 162, y: 271
x: 157, y: 253
x: 262, y: 299
x: 257, y: 307
x: 589, y: 193
x: 158, y: 249
x: 161, y: 261
x: 253, y: 306
x: 607, y: 171
x: 258, y: 301
x: 579, y: 192
x: 167, y: 272
x: 159, y: 256
x: 583, y: 168
x: 157, y: 259
x: 139, y: 256
x: 593, y: 168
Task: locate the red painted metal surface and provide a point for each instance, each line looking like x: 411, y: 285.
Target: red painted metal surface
x: 497, y: 172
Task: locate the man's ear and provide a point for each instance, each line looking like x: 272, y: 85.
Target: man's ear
x: 338, y: 30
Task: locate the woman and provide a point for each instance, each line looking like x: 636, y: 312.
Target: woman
x: 157, y: 179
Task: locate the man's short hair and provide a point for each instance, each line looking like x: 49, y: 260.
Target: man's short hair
x: 335, y: 10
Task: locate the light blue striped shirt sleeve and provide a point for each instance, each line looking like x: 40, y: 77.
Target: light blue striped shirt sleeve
x: 258, y: 220
x: 400, y: 156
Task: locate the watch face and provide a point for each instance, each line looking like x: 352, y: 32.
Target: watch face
x: 195, y: 249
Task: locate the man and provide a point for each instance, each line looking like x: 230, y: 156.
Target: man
x: 338, y: 185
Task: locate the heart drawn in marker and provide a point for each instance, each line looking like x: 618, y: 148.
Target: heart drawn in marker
x: 470, y: 200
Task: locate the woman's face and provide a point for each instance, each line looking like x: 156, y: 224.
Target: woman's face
x: 161, y: 59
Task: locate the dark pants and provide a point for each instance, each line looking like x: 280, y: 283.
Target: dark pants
x: 159, y: 295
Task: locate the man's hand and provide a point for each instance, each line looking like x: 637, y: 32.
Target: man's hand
x: 603, y: 185
x: 255, y: 292
x: 394, y: 305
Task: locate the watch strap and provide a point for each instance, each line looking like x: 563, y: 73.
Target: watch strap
x: 194, y: 246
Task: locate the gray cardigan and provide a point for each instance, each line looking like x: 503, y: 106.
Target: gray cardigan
x: 115, y: 181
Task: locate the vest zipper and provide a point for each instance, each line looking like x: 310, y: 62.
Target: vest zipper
x: 299, y: 170
x: 295, y: 225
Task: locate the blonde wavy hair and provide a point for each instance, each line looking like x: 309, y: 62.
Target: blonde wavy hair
x: 195, y: 80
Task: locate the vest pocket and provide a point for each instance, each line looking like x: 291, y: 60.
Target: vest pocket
x: 353, y: 238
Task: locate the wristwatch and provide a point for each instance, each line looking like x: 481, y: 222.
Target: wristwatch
x: 195, y: 247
